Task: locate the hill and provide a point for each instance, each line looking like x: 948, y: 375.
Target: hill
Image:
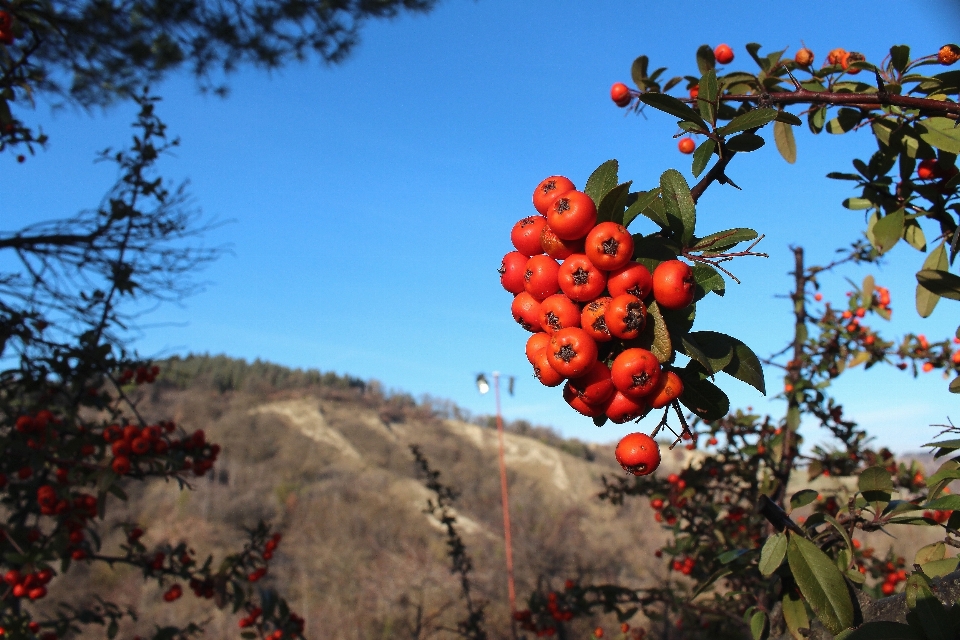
x: 326, y: 458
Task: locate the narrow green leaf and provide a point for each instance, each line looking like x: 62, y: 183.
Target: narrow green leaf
x: 888, y: 230
x: 758, y: 626
x: 701, y: 157
x: 706, y: 61
x: 745, y: 142
x: 802, y: 498
x: 644, y: 200
x: 786, y: 143
x: 707, y: 95
x: 679, y: 204
x: 601, y: 181
x: 795, y: 615
x: 613, y: 203
x: 674, y: 107
x: 723, y: 240
x: 748, y: 120
x: 816, y: 119
x: 821, y: 584
x: 788, y: 118
x: 638, y: 71
x: 772, y: 554
x: 926, y: 299
x: 942, y: 283
x: 945, y: 503
x: 857, y: 203
x: 955, y: 385
x: 655, y: 337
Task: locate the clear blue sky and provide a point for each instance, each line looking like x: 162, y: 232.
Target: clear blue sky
x: 371, y: 202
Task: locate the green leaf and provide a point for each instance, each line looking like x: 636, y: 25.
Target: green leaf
x: 708, y: 279
x: 816, y: 119
x: 745, y: 366
x: 706, y: 61
x: 845, y: 121
x: 674, y: 107
x: 733, y: 554
x: 802, y: 498
x: 913, y: 234
x: 758, y: 626
x: 702, y: 397
x: 930, y: 553
x: 612, y: 205
x: 900, y: 57
x: 931, y: 613
x: 707, y: 95
x: 723, y: 240
x: 884, y: 630
x: 644, y: 200
x: 857, y: 203
x: 821, y: 584
x: 712, y: 353
x: 955, y: 385
x: 940, y: 568
x: 745, y: 142
x: 942, y: 283
x: 786, y: 143
x: 702, y: 156
x: 926, y: 299
x: 638, y: 71
x: 655, y: 337
x: 601, y: 181
x: 795, y: 615
x: 679, y: 204
x: 887, y: 231
x: 940, y: 133
x: 772, y: 554
x: 749, y: 120
x: 875, y: 479
x: 944, y: 503
x: 788, y: 118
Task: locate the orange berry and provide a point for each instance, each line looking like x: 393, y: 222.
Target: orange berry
x: 686, y: 145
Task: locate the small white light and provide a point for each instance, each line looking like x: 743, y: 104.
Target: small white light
x: 482, y: 385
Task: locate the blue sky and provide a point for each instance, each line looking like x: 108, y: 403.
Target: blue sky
x: 370, y: 203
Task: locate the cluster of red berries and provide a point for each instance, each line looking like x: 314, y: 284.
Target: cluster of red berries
x: 140, y: 375
x: 251, y: 619
x: 128, y: 442
x: 578, y: 291
x: 668, y: 510
x: 843, y: 59
x: 684, y: 565
x: 6, y: 28
x: 931, y: 170
x: 34, y: 628
x: 30, y: 585
x: 939, y: 516
x: 268, y: 549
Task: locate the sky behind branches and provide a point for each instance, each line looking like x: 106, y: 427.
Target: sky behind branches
x: 370, y: 203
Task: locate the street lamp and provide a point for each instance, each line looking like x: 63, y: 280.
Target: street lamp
x: 483, y: 387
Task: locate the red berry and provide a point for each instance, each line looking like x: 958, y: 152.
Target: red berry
x: 723, y: 53
x: 638, y: 454
x: 548, y: 191
x: 686, y: 145
x: 673, y: 284
x: 620, y: 94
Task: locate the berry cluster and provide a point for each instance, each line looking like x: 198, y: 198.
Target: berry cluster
x: 578, y: 291
x: 140, y: 375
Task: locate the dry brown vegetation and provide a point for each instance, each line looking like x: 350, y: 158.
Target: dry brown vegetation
x: 326, y: 459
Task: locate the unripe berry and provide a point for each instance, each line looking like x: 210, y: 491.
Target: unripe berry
x: 948, y: 54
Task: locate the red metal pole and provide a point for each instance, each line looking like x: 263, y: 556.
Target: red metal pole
x: 505, y: 500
